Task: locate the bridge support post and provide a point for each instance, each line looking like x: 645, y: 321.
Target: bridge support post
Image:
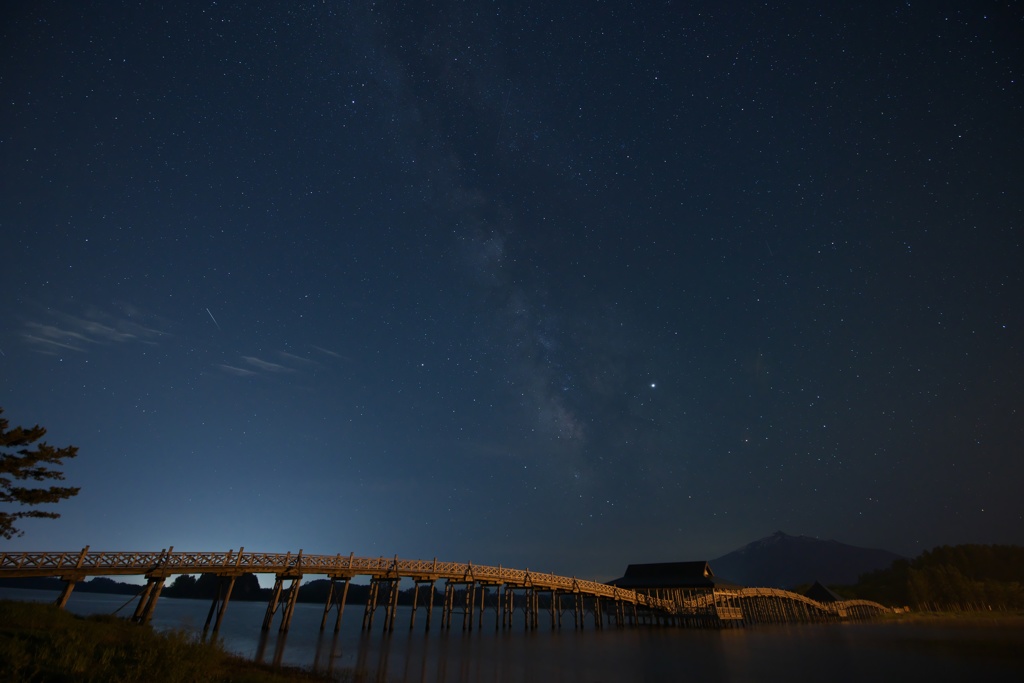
x: 415, y: 603
x: 339, y: 604
x: 391, y: 608
x: 142, y: 601
x: 275, y: 602
x: 467, y: 607
x: 371, y: 604
x: 497, y: 607
x: 450, y: 596
x: 416, y: 600
x: 271, y: 607
x: 275, y: 597
x: 289, y: 606
x: 224, y: 588
x: 504, y: 596
x: 529, y: 608
x: 69, y: 585
x: 71, y: 580
x: 430, y: 603
x: 446, y: 605
x: 507, y: 606
x: 147, y: 603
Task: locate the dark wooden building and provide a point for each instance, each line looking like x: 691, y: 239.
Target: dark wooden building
x: 690, y: 584
x: 667, y: 575
x: 822, y: 593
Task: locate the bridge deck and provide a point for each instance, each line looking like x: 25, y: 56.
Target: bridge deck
x: 78, y: 565
x: 723, y: 605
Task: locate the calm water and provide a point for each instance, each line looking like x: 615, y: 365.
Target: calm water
x: 840, y: 652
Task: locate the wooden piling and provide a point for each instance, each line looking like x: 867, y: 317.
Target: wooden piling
x: 416, y: 598
x: 275, y: 598
x: 469, y: 601
x: 289, y: 607
x: 446, y: 605
x: 70, y: 581
x: 220, y: 603
x: 508, y: 606
x: 331, y: 603
x: 371, y: 604
x: 430, y: 604
x: 65, y: 593
x: 147, y: 604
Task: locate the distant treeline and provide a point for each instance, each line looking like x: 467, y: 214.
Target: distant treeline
x: 949, y: 578
x: 247, y: 587
x: 205, y: 587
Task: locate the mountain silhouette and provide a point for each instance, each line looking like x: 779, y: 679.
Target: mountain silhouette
x: 784, y: 561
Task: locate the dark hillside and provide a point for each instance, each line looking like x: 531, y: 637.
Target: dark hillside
x: 784, y: 561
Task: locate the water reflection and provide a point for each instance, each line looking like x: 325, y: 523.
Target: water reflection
x: 835, y: 652
x: 328, y: 642
x: 280, y: 642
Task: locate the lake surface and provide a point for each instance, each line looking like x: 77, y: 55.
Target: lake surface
x: 833, y: 652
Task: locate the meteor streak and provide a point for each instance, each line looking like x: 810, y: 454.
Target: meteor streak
x: 212, y: 318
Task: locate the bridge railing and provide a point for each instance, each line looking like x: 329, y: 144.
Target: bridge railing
x: 77, y: 565
x: 836, y: 608
x: 168, y: 562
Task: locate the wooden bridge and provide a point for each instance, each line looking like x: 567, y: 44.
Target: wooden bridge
x: 469, y: 590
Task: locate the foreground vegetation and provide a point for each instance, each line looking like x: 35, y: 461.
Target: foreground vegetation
x: 41, y: 643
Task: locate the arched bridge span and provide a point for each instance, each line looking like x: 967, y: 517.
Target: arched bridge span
x: 468, y: 589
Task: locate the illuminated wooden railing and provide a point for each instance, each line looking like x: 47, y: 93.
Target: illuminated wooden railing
x: 729, y: 600
x: 78, y: 565
x: 749, y: 604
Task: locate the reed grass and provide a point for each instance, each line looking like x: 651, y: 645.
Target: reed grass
x: 40, y: 643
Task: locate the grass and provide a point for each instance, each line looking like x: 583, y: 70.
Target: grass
x: 40, y: 643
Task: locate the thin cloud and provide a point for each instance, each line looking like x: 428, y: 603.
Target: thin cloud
x: 49, y: 345
x: 240, y: 372
x: 249, y: 366
x: 296, y: 359
x: 95, y: 328
x: 265, y: 365
x: 55, y: 335
x: 100, y: 332
x: 326, y: 351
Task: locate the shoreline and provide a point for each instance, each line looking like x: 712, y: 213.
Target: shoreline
x: 981, y: 618
x: 39, y: 641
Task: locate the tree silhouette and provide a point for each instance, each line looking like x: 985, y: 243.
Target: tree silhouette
x: 21, y: 461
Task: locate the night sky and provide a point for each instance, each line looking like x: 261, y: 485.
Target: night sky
x: 552, y: 285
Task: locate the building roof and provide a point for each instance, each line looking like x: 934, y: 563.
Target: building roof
x: 667, y: 575
x: 822, y: 593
